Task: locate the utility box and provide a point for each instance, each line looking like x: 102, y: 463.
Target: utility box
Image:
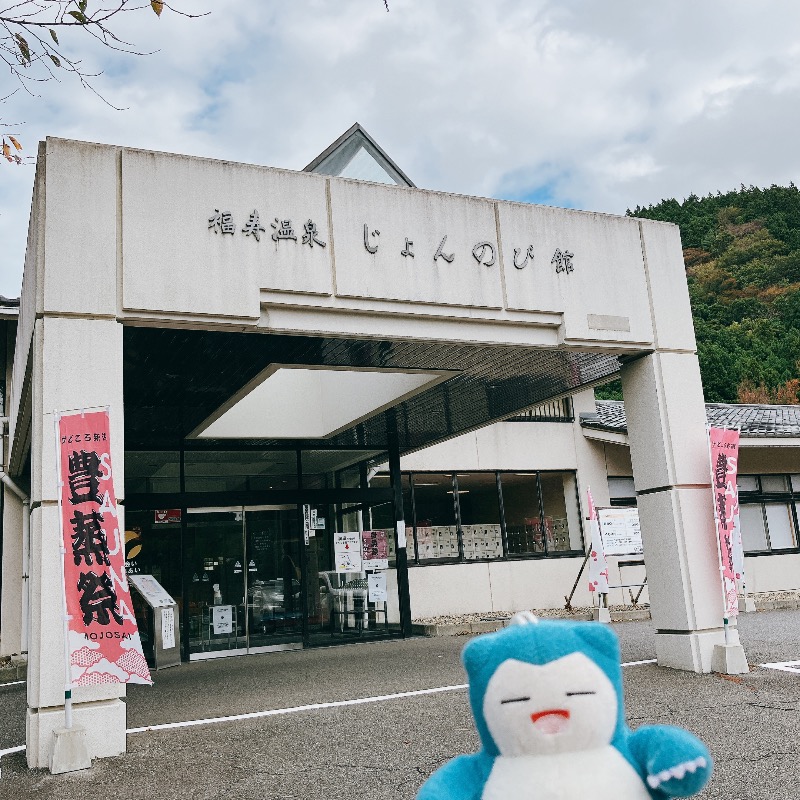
x: 164, y: 623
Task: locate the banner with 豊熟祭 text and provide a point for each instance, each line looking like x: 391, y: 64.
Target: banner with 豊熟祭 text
x: 724, y: 448
x: 103, y: 638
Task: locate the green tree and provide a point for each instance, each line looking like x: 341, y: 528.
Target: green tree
x: 742, y: 259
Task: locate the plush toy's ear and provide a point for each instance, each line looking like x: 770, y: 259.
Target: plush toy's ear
x: 475, y: 653
x: 599, y: 638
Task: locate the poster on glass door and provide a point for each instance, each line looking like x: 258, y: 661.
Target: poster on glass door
x: 222, y: 619
x: 347, y: 552
x: 374, y: 550
x: 376, y: 588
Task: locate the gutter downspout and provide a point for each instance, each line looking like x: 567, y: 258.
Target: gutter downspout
x: 26, y: 549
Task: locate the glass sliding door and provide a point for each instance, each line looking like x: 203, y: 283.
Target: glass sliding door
x: 216, y: 569
x: 352, y: 575
x: 274, y: 569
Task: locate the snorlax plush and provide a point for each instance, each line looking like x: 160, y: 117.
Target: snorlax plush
x: 547, y: 702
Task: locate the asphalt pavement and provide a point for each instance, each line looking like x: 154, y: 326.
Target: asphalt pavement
x: 322, y: 745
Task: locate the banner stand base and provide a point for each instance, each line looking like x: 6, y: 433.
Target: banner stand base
x: 70, y: 752
x: 747, y: 605
x: 601, y: 614
x: 729, y: 659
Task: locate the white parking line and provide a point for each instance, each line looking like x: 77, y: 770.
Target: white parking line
x: 11, y: 683
x: 294, y: 709
x: 310, y: 707
x: 784, y: 666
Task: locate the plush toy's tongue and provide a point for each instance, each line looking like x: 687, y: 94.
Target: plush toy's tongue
x: 554, y: 720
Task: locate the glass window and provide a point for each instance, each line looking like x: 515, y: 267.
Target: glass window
x: 768, y: 526
x: 754, y: 534
x: 479, y: 506
x: 436, y: 531
x: 381, y: 517
x: 238, y: 471
x: 774, y: 483
x: 561, y: 515
x: 621, y: 489
x: 320, y: 466
x: 747, y: 483
x: 780, y: 526
x: 522, y: 512
x: 152, y: 472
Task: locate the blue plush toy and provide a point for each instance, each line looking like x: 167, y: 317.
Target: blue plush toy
x: 547, y: 701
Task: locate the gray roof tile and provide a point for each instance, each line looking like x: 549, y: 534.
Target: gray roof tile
x: 752, y: 420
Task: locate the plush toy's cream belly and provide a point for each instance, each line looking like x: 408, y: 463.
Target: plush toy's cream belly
x: 601, y: 774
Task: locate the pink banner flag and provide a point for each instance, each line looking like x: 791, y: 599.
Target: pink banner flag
x: 598, y: 567
x: 724, y: 445
x: 103, y: 639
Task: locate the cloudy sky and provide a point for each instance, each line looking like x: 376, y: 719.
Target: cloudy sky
x: 578, y: 103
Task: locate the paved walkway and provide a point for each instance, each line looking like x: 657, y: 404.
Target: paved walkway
x: 317, y: 744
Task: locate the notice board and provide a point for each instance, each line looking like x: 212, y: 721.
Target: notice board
x: 619, y: 528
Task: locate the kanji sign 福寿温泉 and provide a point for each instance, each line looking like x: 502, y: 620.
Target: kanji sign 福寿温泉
x: 104, y: 644
x: 484, y: 252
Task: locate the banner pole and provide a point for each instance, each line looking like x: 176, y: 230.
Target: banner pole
x: 65, y: 615
x: 568, y: 606
x: 67, y: 668
x: 738, y: 544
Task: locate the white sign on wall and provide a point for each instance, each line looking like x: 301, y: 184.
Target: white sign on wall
x: 222, y: 619
x: 620, y: 530
x: 376, y: 587
x: 347, y: 552
x: 167, y: 628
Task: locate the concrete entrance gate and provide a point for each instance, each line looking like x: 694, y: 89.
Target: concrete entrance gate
x: 121, y: 238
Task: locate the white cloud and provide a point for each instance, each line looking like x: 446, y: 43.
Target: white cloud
x: 599, y: 105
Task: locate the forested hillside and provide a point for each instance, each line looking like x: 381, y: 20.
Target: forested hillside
x: 742, y: 257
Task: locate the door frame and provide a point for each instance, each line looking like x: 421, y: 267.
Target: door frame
x: 247, y: 650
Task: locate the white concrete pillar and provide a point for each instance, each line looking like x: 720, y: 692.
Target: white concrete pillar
x: 11, y: 609
x: 88, y: 353
x: 666, y: 427
x: 591, y: 464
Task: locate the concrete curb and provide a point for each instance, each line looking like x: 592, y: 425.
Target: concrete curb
x: 13, y: 670
x: 790, y: 604
x: 629, y: 615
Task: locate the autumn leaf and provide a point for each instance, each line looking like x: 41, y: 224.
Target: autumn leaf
x: 53, y: 34
x: 80, y: 16
x: 23, y: 48
x: 15, y: 143
x: 158, y: 6
x: 6, y: 150
x: 55, y: 59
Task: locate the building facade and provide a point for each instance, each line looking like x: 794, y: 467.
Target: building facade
x: 268, y: 341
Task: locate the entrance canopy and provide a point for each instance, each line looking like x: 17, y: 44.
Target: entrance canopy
x: 208, y: 388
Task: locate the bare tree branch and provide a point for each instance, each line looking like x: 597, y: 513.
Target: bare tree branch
x: 31, y: 49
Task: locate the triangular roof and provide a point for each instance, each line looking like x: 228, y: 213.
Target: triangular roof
x: 355, y: 154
